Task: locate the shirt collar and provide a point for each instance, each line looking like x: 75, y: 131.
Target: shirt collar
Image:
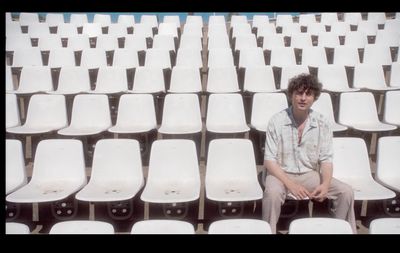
x: 289, y: 120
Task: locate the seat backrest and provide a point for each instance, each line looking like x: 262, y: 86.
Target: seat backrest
x: 364, y: 113
x: 283, y: 19
x: 369, y: 75
x: 340, y: 28
x: 27, y: 18
x: 222, y: 80
x: 172, y: 19
x: 188, y: 57
x: 218, y: 40
x: 193, y: 29
x: 126, y: 19
x: 82, y: 227
x: 156, y: 57
x: 49, y: 42
x: 385, y: 226
x: 388, y: 37
x: 185, y: 79
x: 307, y: 18
x: 16, y: 228
x: 324, y: 106
x: 300, y: 40
x: 90, y: 110
x: 281, y: 56
x: 61, y: 57
x: 47, y: 111
x: 328, y: 39
x: 314, y: 56
x: 118, y: 30
x: 78, y: 18
x: 260, y: 20
x: 65, y: 30
x: 181, y: 113
x: 54, y: 19
x: 172, y: 157
x: 162, y: 227
x: 107, y: 42
x: 78, y: 42
x: 117, y: 160
x: 93, y: 58
x: 111, y: 79
x: 225, y: 111
x: 333, y: 77
x: 356, y: 39
x: 73, y: 80
x: 259, y: 79
x: 37, y: 30
x: 194, y: 19
x: 27, y: 57
x: 137, y: 42
x: 351, y: 159
x: 387, y: 160
x: 317, y: 225
x: 352, y: 18
x: 15, y: 166
x: 164, y: 41
x: 239, y: 226
x: 231, y: 160
x: 377, y: 54
x: 59, y: 160
x: 190, y: 41
x: 369, y: 27
x: 92, y: 29
x: 168, y: 29
x: 391, y: 114
x: 143, y: 29
x: 136, y: 109
x: 126, y: 58
x: 12, y: 111
x: 249, y: 57
x: 395, y: 75
x: 102, y: 19
x: 35, y: 79
x: 9, y: 79
x: 275, y: 102
x: 220, y: 57
x: 149, y: 20
x: 245, y: 41
x: 148, y: 80
x: 346, y: 55
x: 328, y: 18
x: 272, y: 41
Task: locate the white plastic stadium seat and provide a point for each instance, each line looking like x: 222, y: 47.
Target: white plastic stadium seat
x: 58, y: 172
x: 116, y: 172
x: 385, y: 226
x: 14, y: 228
x: 12, y: 111
x: 231, y: 173
x: 239, y: 226
x: 387, y: 160
x: 82, y: 227
x: 15, y: 166
x: 391, y: 113
x: 319, y: 226
x: 351, y: 163
x: 162, y: 227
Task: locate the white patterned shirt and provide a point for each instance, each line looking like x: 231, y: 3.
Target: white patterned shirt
x: 281, y: 143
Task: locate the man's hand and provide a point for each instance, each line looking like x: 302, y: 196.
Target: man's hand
x: 298, y: 190
x: 320, y: 193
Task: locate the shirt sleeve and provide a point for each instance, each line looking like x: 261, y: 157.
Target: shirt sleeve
x: 326, y: 146
x: 271, y: 143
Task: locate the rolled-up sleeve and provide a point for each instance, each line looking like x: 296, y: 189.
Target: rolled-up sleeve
x: 326, y: 146
x: 271, y: 143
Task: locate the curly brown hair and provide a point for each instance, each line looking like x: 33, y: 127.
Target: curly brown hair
x: 305, y: 82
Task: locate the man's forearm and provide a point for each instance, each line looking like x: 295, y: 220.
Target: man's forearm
x: 275, y: 169
x: 326, y: 173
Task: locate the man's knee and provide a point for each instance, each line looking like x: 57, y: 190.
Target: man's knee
x: 273, y: 195
x: 347, y: 192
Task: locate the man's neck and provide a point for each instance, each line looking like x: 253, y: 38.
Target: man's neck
x: 300, y: 116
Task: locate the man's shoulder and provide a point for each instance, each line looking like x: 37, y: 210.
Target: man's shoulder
x: 280, y: 117
x: 321, y: 119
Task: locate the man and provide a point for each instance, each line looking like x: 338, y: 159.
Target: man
x: 298, y: 156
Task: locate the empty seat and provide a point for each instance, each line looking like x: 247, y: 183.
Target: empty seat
x: 170, y: 29
x: 356, y: 39
x: 225, y: 114
x: 189, y: 41
x: 164, y: 41
x: 239, y: 226
x: 240, y: 29
x: 324, y: 106
x: 61, y: 57
x: 27, y: 18
x: 14, y: 228
x: 111, y: 80
x: 314, y: 56
x: 319, y: 226
x: 259, y: 79
x: 172, y: 19
x: 148, y: 80
x: 371, y: 77
x: 9, y: 80
x: 27, y: 57
x: 150, y: 20
x: 162, y: 227
x: 107, y: 42
x: 218, y: 39
x: 143, y: 30
x: 222, y: 80
x: 185, y: 79
x: 58, y: 172
x: 188, y: 57
x: 388, y: 38
x: 90, y: 116
x: 65, y: 30
x: 259, y: 20
x: 116, y: 172
x: 300, y: 40
x: 328, y: 18
x: 34, y: 80
x: 193, y: 29
x: 72, y: 80
x: 93, y: 58
x: 369, y: 27
x: 49, y: 42
x: 102, y: 19
x: 391, y: 113
x: 92, y: 29
x: 272, y: 41
x: 266, y: 30
x: 126, y: 19
x: 387, y: 158
x: 307, y: 18
x: 379, y: 17
x: 13, y: 28
x: 136, y: 42
x: 231, y: 173
x: 136, y: 114
x: 248, y: 41
x: 194, y: 19
x: 316, y: 29
x: 158, y: 58
x: 329, y: 40
x: 334, y: 78
x: 16, y: 176
x: 79, y: 42
x: 181, y: 114
x: 126, y: 58
x: 351, y: 163
x: 364, y: 116
x: 119, y: 30
x: 78, y: 18
x: 251, y: 57
x: 37, y: 30
x: 352, y: 18
x: 289, y: 29
x: 385, y: 226
x: 173, y: 176
x: 12, y: 111
x: 82, y: 227
x: 54, y: 19
x: 220, y: 57
x: 238, y: 19
x: 283, y: 19
x: 340, y: 28
x: 395, y: 75
x: 282, y: 56
x: 346, y: 55
x: 377, y: 54
x: 46, y: 113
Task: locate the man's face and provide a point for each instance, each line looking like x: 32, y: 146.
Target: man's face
x: 302, y: 99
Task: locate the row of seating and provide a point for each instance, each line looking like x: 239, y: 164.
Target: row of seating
x: 173, y: 175
x: 227, y: 226
x: 281, y: 19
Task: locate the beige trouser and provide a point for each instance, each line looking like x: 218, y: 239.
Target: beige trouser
x: 275, y: 194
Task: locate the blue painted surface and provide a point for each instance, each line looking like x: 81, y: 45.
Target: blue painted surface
x: 160, y: 15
